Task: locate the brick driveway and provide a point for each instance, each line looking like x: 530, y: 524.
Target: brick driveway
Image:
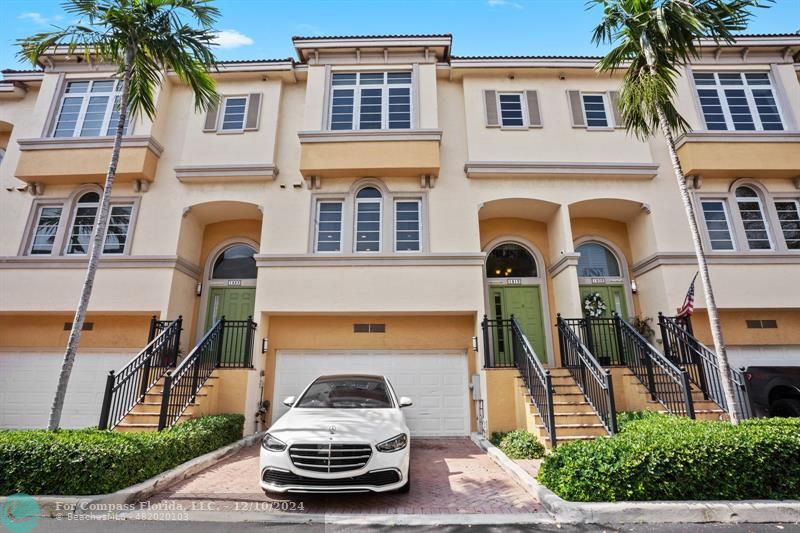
x: 447, y: 476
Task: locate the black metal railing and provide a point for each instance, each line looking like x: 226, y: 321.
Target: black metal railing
x: 126, y: 388
x: 497, y: 343
x: 666, y: 383
x: 228, y: 344
x: 593, y: 380
x: 741, y: 391
x: 156, y: 327
x: 600, y: 337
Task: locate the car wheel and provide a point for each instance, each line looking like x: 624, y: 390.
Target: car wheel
x: 405, y: 488
x: 785, y: 408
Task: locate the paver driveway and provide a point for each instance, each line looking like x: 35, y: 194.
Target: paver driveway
x: 447, y: 476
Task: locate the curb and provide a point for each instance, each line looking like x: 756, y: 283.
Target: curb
x: 51, y: 506
x: 692, y: 511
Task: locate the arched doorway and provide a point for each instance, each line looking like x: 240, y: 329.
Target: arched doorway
x: 515, y: 288
x: 601, y: 272
x: 231, y: 282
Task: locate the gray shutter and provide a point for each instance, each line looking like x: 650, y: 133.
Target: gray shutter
x: 253, y: 112
x: 576, y: 108
x: 534, y: 115
x: 613, y: 97
x: 490, y: 103
x: 211, y: 117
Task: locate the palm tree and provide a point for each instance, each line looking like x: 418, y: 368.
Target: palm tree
x: 652, y: 40
x: 145, y: 39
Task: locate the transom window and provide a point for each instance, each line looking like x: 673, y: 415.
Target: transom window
x: 597, y: 261
x: 369, y: 210
x: 511, y: 111
x: 755, y: 226
x: 370, y: 100
x: 511, y: 261
x: 236, y: 262
x: 234, y: 111
x: 594, y: 109
x: 89, y: 108
x: 738, y: 101
x: 717, y: 224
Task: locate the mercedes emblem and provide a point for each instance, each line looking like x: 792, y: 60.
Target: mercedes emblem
x: 332, y: 429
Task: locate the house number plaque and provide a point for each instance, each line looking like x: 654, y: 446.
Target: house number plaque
x: 234, y: 283
x: 513, y: 281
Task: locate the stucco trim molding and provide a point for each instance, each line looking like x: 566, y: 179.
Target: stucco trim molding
x: 353, y: 260
x: 226, y: 173
x: 569, y: 259
x: 738, y: 137
x: 67, y: 143
x: 135, y: 261
x: 525, y: 169
x: 688, y: 258
x: 369, y: 136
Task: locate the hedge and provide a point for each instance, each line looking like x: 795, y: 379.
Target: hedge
x: 91, y: 461
x: 518, y: 444
x: 671, y: 458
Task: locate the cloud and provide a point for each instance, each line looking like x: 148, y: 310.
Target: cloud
x: 232, y: 39
x: 38, y: 18
x: 497, y: 3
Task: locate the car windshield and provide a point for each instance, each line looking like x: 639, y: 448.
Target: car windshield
x: 347, y: 393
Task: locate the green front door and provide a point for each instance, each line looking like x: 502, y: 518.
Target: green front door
x: 235, y: 304
x: 613, y: 296
x: 602, y: 339
x: 525, y: 303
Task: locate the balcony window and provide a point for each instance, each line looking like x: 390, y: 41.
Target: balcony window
x: 370, y: 100
x: 740, y: 101
x: 88, y: 108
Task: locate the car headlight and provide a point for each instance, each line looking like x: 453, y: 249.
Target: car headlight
x: 394, y: 444
x: 272, y: 444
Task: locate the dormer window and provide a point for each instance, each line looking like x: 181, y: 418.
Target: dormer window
x: 370, y: 100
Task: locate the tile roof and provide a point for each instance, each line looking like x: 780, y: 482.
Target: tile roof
x: 20, y: 71
x: 238, y: 61
x: 396, y: 36
x: 527, y: 57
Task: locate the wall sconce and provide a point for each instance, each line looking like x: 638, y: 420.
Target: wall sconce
x: 475, y: 343
x: 199, y: 289
x: 264, y: 344
x: 634, y: 288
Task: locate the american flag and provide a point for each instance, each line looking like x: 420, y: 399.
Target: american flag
x: 688, y: 303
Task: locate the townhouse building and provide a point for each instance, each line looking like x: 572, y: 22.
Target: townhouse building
x: 380, y: 205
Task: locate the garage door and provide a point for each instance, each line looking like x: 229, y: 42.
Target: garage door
x: 435, y: 381
x: 28, y: 383
x: 740, y: 356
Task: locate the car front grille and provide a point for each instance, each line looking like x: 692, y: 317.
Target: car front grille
x: 280, y: 478
x: 331, y: 457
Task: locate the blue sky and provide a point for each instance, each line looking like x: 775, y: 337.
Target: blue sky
x: 254, y: 29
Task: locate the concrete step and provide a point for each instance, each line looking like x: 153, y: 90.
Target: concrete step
x: 576, y: 430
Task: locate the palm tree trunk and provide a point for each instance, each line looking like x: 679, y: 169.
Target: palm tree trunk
x: 711, y: 304
x: 95, y: 249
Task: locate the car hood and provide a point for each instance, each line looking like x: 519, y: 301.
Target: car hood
x: 360, y: 425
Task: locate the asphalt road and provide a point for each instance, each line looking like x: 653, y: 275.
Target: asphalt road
x: 57, y: 526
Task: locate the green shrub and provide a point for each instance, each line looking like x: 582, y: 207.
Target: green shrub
x: 625, y: 417
x: 672, y: 458
x: 91, y: 461
x: 518, y: 444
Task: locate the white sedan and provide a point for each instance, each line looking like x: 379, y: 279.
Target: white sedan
x: 345, y: 433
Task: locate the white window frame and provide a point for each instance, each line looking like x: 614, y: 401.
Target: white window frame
x: 317, y: 211
x: 385, y: 86
x: 606, y: 107
x: 748, y: 91
x: 223, y: 109
x: 74, y: 213
x: 86, y: 96
x: 37, y: 213
x: 523, y: 107
x: 779, y: 227
x: 418, y: 201
x: 764, y: 217
x: 358, y: 201
x: 732, y: 232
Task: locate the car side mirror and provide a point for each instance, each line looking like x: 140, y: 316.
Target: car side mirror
x: 405, y: 401
x: 289, y: 401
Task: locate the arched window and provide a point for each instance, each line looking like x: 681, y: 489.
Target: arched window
x: 236, y: 262
x: 511, y: 261
x: 83, y: 223
x: 369, y: 213
x: 755, y: 227
x: 597, y: 261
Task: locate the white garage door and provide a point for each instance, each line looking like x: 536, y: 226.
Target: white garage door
x: 435, y: 381
x: 28, y: 383
x: 740, y: 356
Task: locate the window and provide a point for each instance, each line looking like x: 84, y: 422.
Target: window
x: 755, y: 227
x: 407, y: 236
x: 236, y: 262
x: 717, y: 225
x: 789, y: 220
x: 329, y: 227
x: 44, y: 234
x: 368, y: 220
x: 83, y: 222
x: 597, y: 261
x: 89, y: 108
x: 510, y: 261
x: 370, y: 100
x: 235, y: 109
x: 594, y: 109
x: 742, y: 101
x: 511, y: 112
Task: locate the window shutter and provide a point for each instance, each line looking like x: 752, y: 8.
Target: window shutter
x: 211, y: 117
x: 576, y: 108
x: 613, y: 97
x: 534, y: 115
x: 490, y: 101
x: 253, y: 112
